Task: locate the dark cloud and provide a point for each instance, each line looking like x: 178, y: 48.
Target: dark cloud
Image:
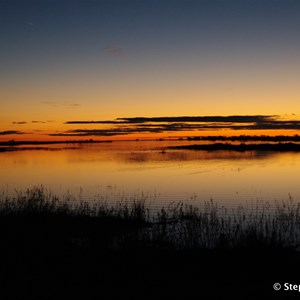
x: 226, y: 119
x: 25, y: 122
x: 19, y: 123
x: 90, y: 133
x: 199, y: 119
x: 279, y: 125
x: 8, y: 132
x: 109, y: 132
x: 184, y: 123
x: 115, y: 51
x: 95, y: 122
x: 141, y: 128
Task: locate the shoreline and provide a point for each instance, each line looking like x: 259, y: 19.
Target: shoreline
x: 242, y: 147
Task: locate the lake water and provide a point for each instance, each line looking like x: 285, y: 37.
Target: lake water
x: 131, y: 170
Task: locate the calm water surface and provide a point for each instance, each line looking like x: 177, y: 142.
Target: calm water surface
x: 127, y: 170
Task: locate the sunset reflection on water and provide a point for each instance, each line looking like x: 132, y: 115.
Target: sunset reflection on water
x: 128, y: 169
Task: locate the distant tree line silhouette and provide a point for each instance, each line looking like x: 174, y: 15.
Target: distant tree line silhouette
x: 277, y: 138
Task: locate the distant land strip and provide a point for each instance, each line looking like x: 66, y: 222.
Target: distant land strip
x: 280, y: 147
x: 19, y: 143
x: 262, y: 138
x: 240, y: 138
x: 8, y: 149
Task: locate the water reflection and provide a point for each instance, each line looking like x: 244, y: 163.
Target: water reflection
x: 182, y: 155
x: 147, y: 167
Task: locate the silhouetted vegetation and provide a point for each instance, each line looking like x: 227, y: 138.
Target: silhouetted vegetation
x: 244, y: 138
x: 178, y: 225
x: 62, y: 248
x: 278, y: 147
x: 8, y: 149
x: 19, y: 143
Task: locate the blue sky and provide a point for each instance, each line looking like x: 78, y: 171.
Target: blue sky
x: 109, y: 59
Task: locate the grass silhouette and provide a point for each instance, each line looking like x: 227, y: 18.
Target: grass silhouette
x: 59, y: 248
x: 179, y: 225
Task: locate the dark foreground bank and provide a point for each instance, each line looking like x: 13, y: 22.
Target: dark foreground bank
x: 54, y: 249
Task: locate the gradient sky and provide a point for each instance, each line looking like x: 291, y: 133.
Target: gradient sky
x: 101, y: 60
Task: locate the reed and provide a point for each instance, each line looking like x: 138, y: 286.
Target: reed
x: 179, y: 226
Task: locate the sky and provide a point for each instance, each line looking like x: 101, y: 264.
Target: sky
x: 93, y: 61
